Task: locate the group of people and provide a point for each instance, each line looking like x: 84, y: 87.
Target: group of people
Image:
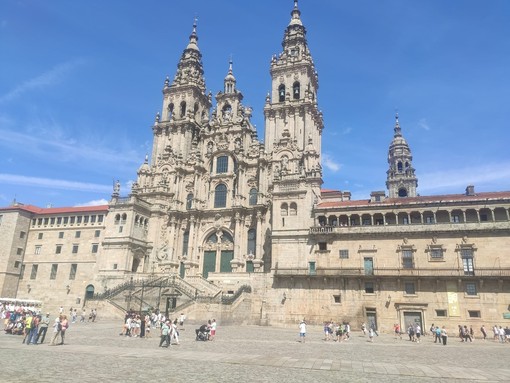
x: 207, y: 331
x: 337, y: 331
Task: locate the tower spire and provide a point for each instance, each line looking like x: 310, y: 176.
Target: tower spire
x: 401, y: 180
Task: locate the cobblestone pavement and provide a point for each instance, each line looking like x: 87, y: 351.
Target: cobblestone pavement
x: 95, y: 352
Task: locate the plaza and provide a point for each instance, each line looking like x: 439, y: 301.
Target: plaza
x: 95, y: 352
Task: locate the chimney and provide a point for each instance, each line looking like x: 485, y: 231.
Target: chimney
x: 470, y: 190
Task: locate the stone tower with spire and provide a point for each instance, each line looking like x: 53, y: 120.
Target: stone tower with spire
x: 401, y: 180
x: 293, y: 133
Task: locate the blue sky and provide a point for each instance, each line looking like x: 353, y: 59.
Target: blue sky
x: 81, y: 81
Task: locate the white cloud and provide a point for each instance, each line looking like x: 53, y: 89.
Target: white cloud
x: 49, y: 78
x: 96, y: 202
x: 330, y: 163
x: 346, y: 130
x: 14, y: 179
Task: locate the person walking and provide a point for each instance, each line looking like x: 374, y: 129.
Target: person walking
x: 484, y: 332
x: 165, y: 337
x: 302, y: 331
x: 444, y: 335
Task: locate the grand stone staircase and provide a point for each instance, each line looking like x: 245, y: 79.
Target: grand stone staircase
x: 169, y: 294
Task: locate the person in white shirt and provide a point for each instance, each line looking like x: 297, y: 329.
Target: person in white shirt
x: 302, y: 331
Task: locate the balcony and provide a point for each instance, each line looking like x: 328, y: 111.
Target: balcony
x: 409, y: 228
x: 393, y: 272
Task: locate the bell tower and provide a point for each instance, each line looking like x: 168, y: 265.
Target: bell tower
x: 293, y: 130
x: 401, y: 180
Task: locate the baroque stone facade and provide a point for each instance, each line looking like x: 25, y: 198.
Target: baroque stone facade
x: 219, y: 222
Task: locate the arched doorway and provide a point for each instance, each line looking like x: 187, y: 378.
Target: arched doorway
x: 218, y: 252
x: 89, y: 292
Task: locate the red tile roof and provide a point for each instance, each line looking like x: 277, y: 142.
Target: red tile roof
x: 418, y: 200
x: 58, y: 210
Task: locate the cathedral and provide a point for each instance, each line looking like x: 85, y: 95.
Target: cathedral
x: 220, y: 223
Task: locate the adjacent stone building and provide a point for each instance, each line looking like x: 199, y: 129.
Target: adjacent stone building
x: 221, y: 224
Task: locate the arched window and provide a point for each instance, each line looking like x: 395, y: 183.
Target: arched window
x: 222, y: 164
x: 124, y: 218
x: 281, y: 93
x: 189, y: 201
x: 399, y: 167
x: 183, y: 108
x: 252, y: 241
x: 293, y: 208
x: 295, y: 90
x: 195, y: 109
x: 402, y: 192
x: 284, y: 209
x: 253, y: 197
x: 117, y: 219
x: 407, y: 165
x: 170, y: 111
x: 137, y: 220
x: 220, y: 196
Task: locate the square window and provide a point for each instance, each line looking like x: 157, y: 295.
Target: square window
x: 369, y: 287
x: 22, y: 234
x: 19, y: 251
x: 92, y: 219
x: 58, y: 249
x: 52, y: 220
x: 436, y: 253
x: 75, y: 249
x: 86, y: 219
x: 474, y: 314
x: 114, y: 266
x: 66, y: 220
x: 337, y: 298
x: 100, y: 218
x: 483, y: 217
x: 61, y: 234
x: 40, y: 236
x: 97, y: 233
x: 429, y: 219
x: 46, y: 221
x: 59, y: 220
x: 409, y: 288
x: 78, y: 219
x: 120, y: 229
x: 323, y: 246
x: 77, y: 234
x: 38, y: 249
x: 71, y: 220
x: 440, y: 313
x: 94, y: 248
x: 39, y: 221
x: 17, y: 264
x: 471, y: 288
x: 344, y: 254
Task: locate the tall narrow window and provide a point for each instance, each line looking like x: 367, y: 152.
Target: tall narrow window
x: 407, y: 259
x: 293, y: 208
x: 72, y: 272
x: 54, y: 268
x: 252, y: 238
x: 189, y: 201
x: 222, y: 164
x: 295, y: 91
x: 185, y: 243
x: 170, y: 111
x: 33, y: 274
x: 281, y: 93
x: 467, y: 261
x: 220, y: 196
x: 183, y: 108
x: 253, y: 197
